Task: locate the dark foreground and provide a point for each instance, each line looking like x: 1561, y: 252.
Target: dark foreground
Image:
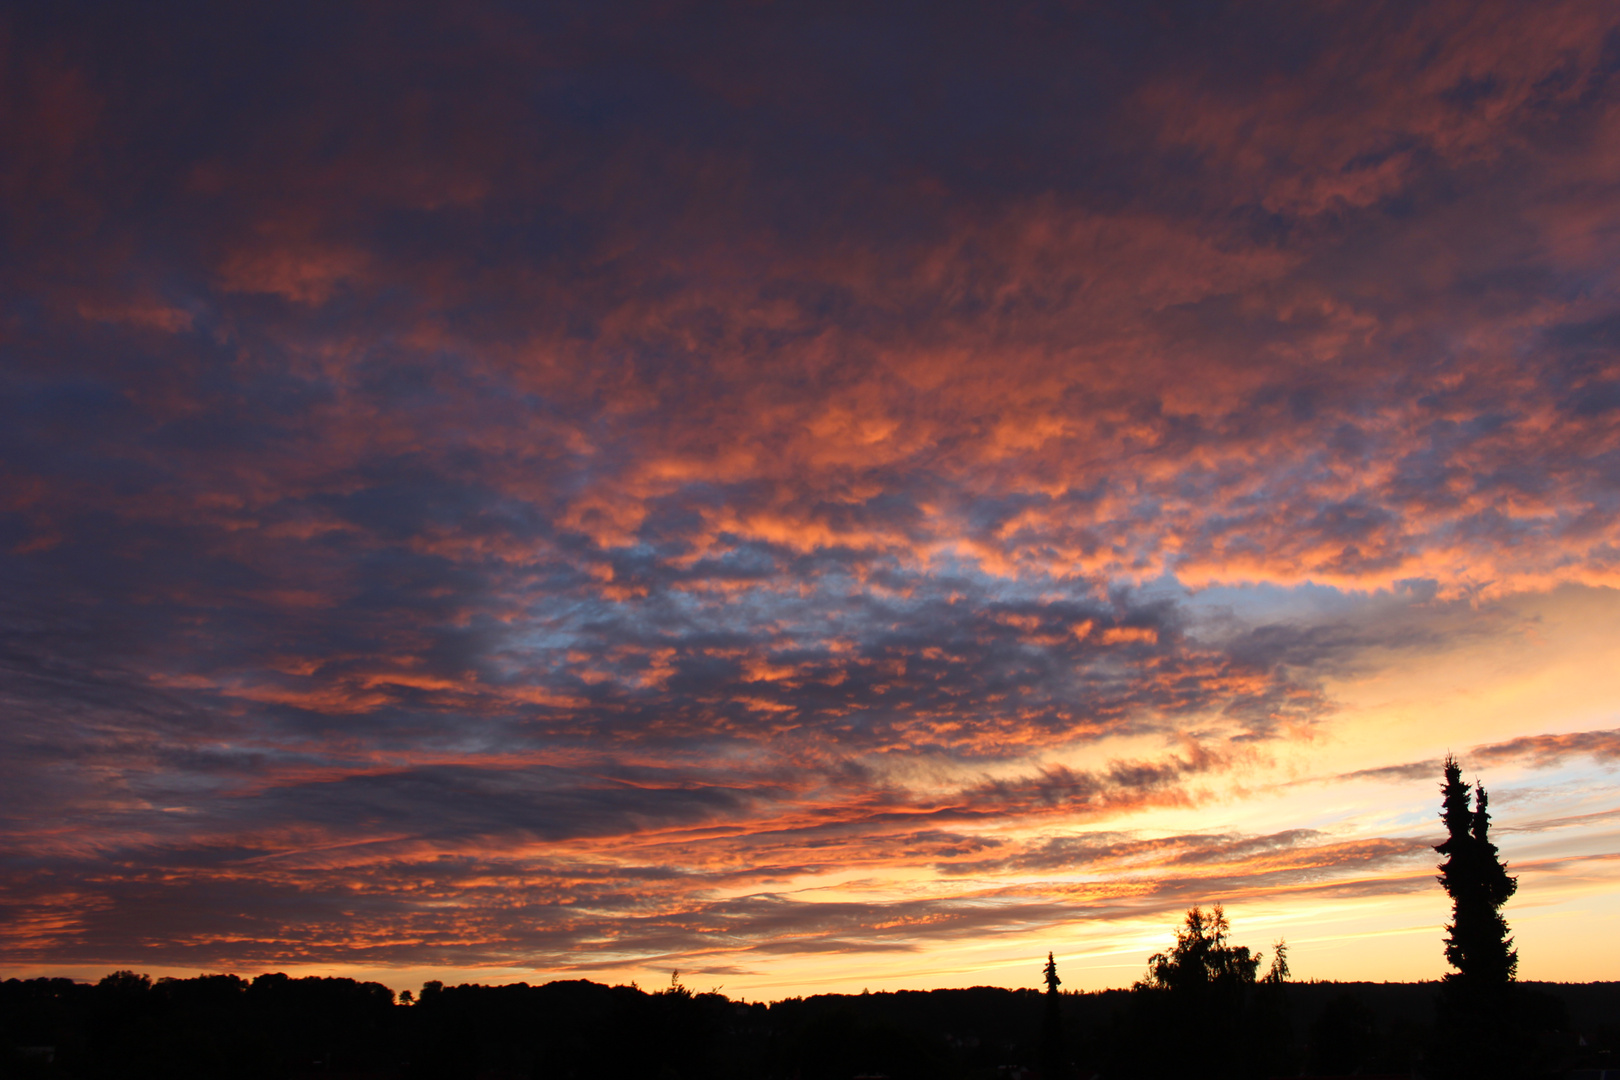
x: 275, y: 1026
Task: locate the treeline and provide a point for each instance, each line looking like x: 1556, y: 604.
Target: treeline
x: 281, y: 1027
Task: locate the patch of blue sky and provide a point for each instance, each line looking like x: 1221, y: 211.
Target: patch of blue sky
x: 1257, y: 604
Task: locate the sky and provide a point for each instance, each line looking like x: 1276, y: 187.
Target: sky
x: 812, y: 496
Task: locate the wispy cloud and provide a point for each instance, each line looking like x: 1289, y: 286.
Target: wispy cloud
x: 1537, y: 751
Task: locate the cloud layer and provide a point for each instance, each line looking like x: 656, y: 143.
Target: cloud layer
x: 485, y: 487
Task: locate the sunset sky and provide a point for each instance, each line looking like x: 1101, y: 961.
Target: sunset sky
x: 817, y: 496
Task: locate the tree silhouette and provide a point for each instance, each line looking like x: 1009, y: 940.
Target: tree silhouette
x: 1278, y: 972
x: 1192, y: 1010
x: 1481, y: 1029
x: 1054, y: 1053
x: 1271, y: 1029
x: 1477, y: 941
x: 1202, y: 956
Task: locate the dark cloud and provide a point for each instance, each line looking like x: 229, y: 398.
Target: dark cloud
x: 1546, y: 750
x: 1537, y: 751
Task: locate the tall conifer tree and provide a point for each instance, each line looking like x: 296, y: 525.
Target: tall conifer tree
x: 1482, y: 1032
x: 1477, y: 941
x: 1054, y: 1051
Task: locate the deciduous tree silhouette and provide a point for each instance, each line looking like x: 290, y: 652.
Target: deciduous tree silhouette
x: 1271, y: 1028
x: 1192, y: 1011
x: 1278, y: 973
x: 1202, y: 956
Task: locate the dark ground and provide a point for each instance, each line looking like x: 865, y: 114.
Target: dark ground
x: 274, y: 1027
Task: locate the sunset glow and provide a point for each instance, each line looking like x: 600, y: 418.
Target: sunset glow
x: 817, y: 497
